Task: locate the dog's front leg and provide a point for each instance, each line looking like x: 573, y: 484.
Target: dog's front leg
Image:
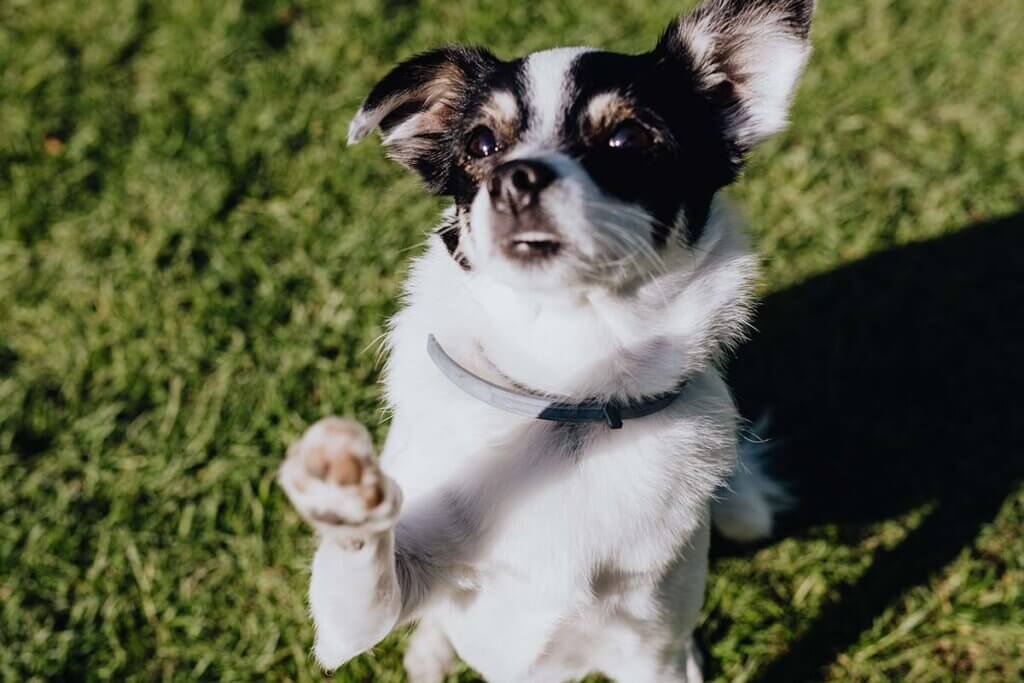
x: 332, y: 479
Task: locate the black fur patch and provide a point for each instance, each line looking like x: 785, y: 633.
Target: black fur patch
x: 681, y: 173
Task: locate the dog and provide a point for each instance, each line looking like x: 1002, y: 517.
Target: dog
x: 561, y: 436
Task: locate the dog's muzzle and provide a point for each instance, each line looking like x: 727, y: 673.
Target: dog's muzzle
x: 521, y: 228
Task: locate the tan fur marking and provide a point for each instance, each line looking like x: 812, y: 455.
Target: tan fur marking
x: 604, y: 112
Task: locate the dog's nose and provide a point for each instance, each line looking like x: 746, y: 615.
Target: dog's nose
x: 516, y: 185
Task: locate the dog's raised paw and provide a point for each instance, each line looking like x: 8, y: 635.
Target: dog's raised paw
x: 332, y: 479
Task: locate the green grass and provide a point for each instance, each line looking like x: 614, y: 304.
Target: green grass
x: 193, y: 266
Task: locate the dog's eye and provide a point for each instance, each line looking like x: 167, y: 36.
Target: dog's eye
x: 632, y: 134
x: 481, y: 143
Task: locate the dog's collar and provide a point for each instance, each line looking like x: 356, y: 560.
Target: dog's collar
x: 553, y: 408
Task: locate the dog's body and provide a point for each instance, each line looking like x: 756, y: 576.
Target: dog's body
x: 544, y: 551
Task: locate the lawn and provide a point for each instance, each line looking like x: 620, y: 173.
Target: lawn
x: 193, y: 267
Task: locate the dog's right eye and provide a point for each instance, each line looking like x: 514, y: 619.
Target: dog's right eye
x: 630, y: 134
x: 481, y: 143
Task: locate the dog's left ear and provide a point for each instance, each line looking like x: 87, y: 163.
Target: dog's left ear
x: 416, y: 107
x: 746, y: 56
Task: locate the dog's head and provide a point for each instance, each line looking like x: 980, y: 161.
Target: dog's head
x: 581, y: 167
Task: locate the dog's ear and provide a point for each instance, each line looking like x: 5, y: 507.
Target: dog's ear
x: 417, y: 106
x: 746, y: 56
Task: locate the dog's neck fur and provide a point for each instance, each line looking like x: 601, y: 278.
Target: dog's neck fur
x: 588, y: 344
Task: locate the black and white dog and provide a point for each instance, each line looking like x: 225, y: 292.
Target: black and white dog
x: 543, y: 501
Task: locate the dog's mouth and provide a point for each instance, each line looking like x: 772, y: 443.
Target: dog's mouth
x: 531, y: 244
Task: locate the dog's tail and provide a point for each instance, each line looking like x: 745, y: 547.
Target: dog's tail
x: 745, y: 508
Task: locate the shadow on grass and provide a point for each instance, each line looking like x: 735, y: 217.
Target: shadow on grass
x: 893, y: 382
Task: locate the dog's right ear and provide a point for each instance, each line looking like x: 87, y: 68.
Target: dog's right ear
x: 416, y: 107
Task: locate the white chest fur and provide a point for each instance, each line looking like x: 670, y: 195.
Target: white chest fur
x: 556, y: 524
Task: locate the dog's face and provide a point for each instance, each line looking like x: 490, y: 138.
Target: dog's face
x: 577, y: 167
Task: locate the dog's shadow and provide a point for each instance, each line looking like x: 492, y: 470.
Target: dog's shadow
x: 893, y: 382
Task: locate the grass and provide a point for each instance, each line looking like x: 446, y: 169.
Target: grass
x: 192, y: 266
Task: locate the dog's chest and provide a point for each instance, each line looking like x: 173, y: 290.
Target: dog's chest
x: 554, y: 500
x: 585, y: 530
x: 549, y: 525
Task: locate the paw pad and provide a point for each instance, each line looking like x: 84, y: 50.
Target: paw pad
x: 331, y: 477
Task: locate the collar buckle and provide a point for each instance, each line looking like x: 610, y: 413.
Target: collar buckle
x: 612, y: 415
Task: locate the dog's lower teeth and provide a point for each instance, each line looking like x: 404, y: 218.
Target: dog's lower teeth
x: 534, y: 237
x: 527, y: 246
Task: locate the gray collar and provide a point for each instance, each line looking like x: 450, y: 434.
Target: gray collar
x: 554, y: 408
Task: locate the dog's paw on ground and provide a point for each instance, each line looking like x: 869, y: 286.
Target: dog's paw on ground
x: 332, y: 479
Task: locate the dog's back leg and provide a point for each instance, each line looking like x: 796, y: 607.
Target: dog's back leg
x: 429, y: 655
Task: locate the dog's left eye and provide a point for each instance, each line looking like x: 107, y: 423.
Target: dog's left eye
x: 481, y: 143
x: 630, y: 134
